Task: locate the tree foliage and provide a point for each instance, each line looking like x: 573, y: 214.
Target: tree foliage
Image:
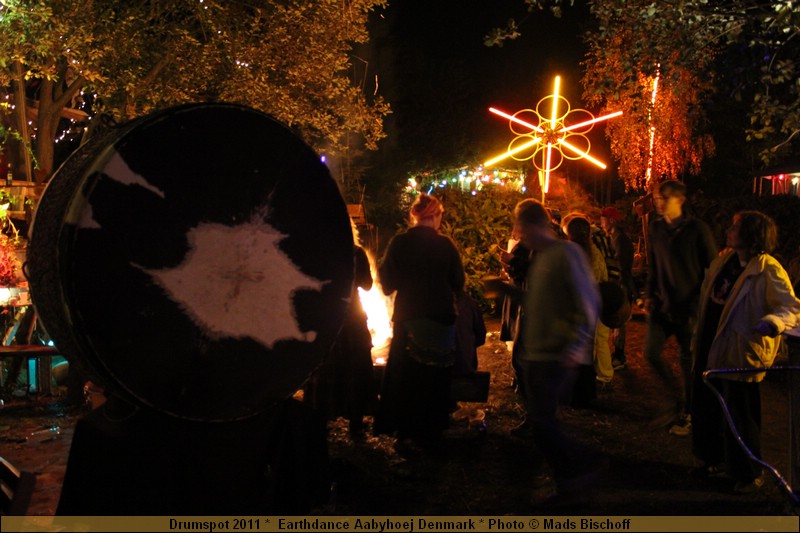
x: 632, y: 47
x: 289, y: 58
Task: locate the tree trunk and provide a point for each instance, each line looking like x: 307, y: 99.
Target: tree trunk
x: 46, y: 125
x: 51, y: 102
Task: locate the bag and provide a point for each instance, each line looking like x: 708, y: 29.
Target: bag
x: 470, y: 388
x: 603, y: 242
x: 431, y: 343
x: 616, y: 306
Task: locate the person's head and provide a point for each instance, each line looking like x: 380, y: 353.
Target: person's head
x: 752, y: 233
x: 532, y: 223
x: 426, y: 211
x: 579, y: 230
x: 668, y: 198
x: 609, y: 218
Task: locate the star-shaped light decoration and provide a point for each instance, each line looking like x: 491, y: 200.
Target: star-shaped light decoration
x: 544, y: 140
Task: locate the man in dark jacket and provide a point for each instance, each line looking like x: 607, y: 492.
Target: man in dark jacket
x: 611, y: 222
x: 680, y: 248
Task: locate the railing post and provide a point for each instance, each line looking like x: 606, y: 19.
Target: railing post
x: 792, y: 338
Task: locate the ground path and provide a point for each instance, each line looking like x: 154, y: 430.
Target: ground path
x: 483, y: 471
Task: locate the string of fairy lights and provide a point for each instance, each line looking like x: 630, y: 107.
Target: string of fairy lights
x: 467, y: 179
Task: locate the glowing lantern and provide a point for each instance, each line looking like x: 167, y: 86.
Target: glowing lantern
x: 544, y: 135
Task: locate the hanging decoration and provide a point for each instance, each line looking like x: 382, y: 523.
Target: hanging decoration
x: 466, y: 179
x: 543, y: 136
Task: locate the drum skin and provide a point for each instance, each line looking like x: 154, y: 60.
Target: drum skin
x: 199, y: 260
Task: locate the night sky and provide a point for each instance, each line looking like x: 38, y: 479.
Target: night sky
x: 432, y: 66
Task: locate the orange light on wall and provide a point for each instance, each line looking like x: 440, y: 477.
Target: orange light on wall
x: 542, y: 139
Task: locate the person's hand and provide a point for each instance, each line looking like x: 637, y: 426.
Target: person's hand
x: 505, y: 257
x: 493, y: 287
x: 766, y: 329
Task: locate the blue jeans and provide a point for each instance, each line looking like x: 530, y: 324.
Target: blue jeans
x: 659, y: 329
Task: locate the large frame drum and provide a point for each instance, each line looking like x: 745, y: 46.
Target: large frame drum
x: 200, y: 260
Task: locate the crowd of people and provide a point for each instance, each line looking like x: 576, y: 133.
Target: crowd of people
x: 568, y: 289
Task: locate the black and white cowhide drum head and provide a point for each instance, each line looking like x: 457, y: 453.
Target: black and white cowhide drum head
x: 199, y: 259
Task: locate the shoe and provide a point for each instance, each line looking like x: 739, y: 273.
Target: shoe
x: 748, y: 487
x: 604, y: 387
x: 523, y: 431
x: 682, y: 427
x: 708, y: 471
x: 617, y: 364
x: 665, y: 418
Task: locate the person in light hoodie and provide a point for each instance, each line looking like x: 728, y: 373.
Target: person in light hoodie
x: 746, y: 302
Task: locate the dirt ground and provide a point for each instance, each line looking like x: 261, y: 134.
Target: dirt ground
x: 483, y: 470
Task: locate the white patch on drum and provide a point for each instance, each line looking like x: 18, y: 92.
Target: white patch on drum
x: 87, y: 219
x: 236, y: 282
x: 118, y: 170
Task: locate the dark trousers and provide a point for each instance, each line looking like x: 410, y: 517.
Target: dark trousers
x: 708, y: 421
x: 544, y: 383
x: 744, y: 403
x: 659, y: 329
x: 713, y: 441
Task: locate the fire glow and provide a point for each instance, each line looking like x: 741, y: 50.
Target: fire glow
x: 541, y: 141
x: 378, y: 307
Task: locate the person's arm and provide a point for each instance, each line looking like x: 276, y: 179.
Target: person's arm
x: 782, y: 304
x: 387, y: 270
x: 457, y: 276
x: 651, y: 286
x: 478, y: 324
x: 707, y: 246
x: 363, y: 276
x: 624, y: 249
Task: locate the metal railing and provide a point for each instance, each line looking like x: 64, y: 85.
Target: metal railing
x: 784, y: 484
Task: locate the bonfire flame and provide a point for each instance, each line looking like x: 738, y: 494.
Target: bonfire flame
x: 378, y: 307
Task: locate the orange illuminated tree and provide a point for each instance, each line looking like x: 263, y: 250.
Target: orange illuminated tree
x: 626, y: 56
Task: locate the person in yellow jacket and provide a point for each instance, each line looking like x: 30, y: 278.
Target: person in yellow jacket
x: 746, y: 302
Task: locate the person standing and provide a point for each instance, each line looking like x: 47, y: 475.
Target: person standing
x: 611, y: 222
x: 424, y: 269
x: 515, y: 263
x: 746, y: 302
x: 560, y: 312
x: 344, y: 385
x: 578, y: 230
x: 680, y: 248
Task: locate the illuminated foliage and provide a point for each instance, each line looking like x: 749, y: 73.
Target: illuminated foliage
x: 760, y: 43
x: 631, y: 46
x: 290, y: 58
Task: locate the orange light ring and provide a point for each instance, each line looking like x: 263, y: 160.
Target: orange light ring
x: 553, y: 135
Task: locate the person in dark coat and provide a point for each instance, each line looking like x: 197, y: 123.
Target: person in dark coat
x: 611, y: 221
x: 470, y: 334
x: 344, y: 385
x: 680, y: 249
x: 424, y: 270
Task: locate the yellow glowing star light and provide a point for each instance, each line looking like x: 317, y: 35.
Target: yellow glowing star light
x: 543, y: 140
